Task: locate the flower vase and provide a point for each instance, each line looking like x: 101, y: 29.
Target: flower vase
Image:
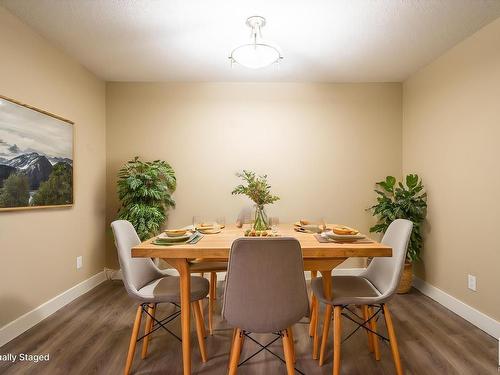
x: 260, y: 220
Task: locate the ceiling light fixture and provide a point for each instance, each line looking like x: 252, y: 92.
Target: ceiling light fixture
x: 256, y: 54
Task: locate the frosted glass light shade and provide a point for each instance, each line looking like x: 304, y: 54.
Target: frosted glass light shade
x: 255, y: 56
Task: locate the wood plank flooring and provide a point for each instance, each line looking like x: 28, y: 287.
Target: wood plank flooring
x: 90, y: 336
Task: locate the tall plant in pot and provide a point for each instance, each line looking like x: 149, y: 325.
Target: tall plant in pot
x: 398, y: 200
x: 145, y: 191
x: 259, y: 191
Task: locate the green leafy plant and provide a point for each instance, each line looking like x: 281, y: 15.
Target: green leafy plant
x: 402, y: 201
x: 145, y: 191
x: 259, y: 191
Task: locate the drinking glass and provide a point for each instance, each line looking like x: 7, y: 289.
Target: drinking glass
x: 197, y: 220
x: 274, y: 222
x: 323, y: 224
x: 221, y: 221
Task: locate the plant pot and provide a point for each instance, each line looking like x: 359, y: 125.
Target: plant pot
x: 406, y: 279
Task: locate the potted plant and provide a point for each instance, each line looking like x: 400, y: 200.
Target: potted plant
x: 402, y: 201
x: 259, y: 191
x: 145, y: 191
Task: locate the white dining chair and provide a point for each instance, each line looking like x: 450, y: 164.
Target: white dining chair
x: 149, y: 286
x: 372, y: 289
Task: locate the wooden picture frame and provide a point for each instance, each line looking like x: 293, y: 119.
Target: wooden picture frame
x: 37, y: 148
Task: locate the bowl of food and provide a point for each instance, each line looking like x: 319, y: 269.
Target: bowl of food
x: 175, y: 232
x: 344, y: 230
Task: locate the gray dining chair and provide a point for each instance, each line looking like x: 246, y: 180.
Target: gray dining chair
x: 213, y: 267
x: 149, y: 286
x: 265, y: 292
x: 371, y: 290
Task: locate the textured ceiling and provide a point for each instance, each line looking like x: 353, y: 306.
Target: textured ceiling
x: 321, y: 40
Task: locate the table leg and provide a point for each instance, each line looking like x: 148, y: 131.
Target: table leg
x: 182, y: 266
x: 312, y: 322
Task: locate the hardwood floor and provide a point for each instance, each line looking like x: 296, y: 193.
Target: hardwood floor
x: 90, y: 336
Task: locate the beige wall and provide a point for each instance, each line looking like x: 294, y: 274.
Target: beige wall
x: 451, y: 131
x: 322, y: 145
x: 39, y: 247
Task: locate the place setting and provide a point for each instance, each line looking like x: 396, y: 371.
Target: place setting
x: 342, y: 234
x: 310, y: 227
x: 203, y: 225
x: 324, y: 232
x: 190, y: 234
x: 177, y: 237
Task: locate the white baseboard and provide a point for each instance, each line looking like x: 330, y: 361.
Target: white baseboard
x: 24, y: 322
x: 476, y: 317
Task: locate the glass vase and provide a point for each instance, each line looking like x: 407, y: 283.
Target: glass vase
x: 260, y: 219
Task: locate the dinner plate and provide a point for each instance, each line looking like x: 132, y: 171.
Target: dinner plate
x: 193, y: 238
x: 344, y: 228
x: 209, y: 230
x: 344, y: 237
x: 164, y: 238
x: 308, y: 229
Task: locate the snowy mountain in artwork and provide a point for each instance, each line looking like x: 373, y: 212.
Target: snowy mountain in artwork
x: 54, y: 160
x: 24, y: 161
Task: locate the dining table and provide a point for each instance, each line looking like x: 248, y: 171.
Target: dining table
x: 318, y: 256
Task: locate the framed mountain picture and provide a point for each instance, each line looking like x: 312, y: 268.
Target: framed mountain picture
x: 36, y: 158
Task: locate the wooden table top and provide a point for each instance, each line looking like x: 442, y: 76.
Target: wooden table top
x: 217, y: 246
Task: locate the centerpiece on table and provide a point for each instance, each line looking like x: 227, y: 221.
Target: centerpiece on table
x: 259, y: 191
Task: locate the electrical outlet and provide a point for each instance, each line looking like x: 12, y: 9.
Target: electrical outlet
x: 79, y: 262
x: 471, y: 282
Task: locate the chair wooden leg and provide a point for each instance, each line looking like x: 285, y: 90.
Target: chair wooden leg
x: 242, y: 342
x: 235, y: 352
x: 200, y: 302
x: 337, y: 338
x: 316, y: 329
x: 314, y: 321
x: 326, y: 331
x: 231, y: 348
x: 290, y: 334
x: 147, y: 329
x: 212, y: 297
x: 314, y: 303
x: 375, y: 340
x: 199, y: 330
x: 366, y: 315
x: 393, y: 340
x: 133, y: 340
x: 288, y: 349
